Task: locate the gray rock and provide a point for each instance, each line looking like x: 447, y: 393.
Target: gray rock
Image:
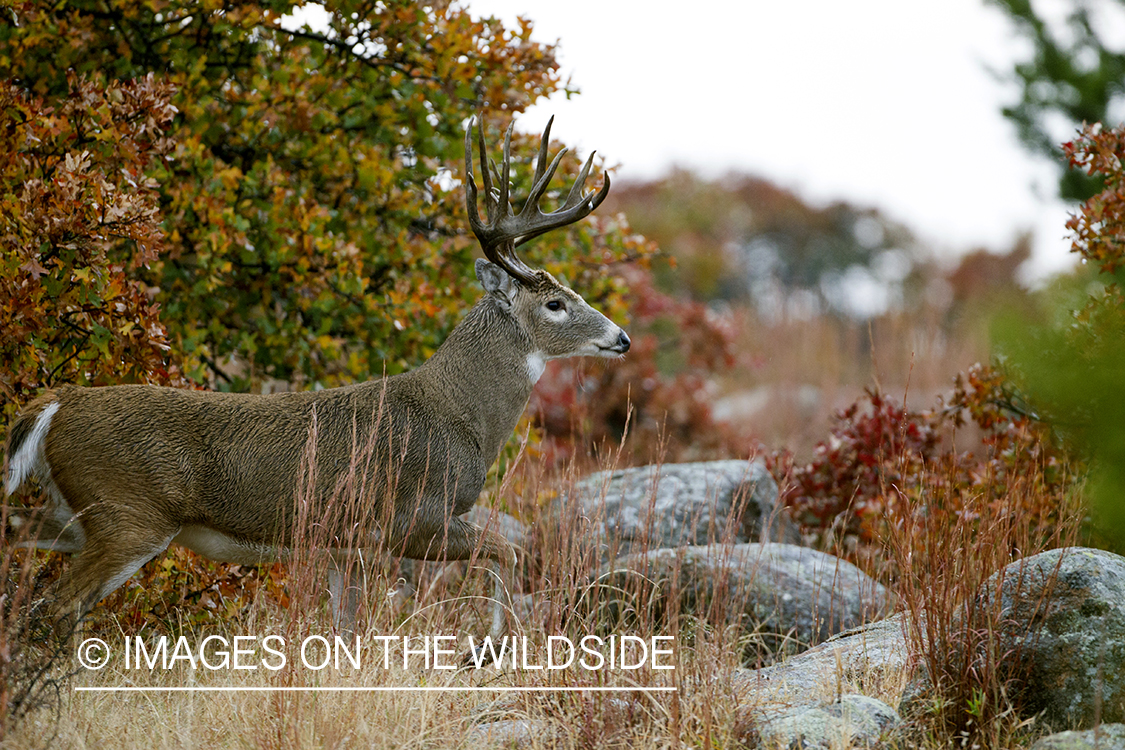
x: 1105, y: 737
x: 781, y: 592
x: 673, y: 505
x: 872, y: 658
x: 1062, y: 637
x: 853, y: 721
x: 1065, y: 630
x: 518, y: 733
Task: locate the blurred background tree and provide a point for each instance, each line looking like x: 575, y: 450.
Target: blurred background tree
x: 742, y: 238
x: 1075, y: 74
x: 1070, y: 358
x: 1066, y: 354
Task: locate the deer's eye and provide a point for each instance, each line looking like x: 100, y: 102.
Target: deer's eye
x: 554, y: 305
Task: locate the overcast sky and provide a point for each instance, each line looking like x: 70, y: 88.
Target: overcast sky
x: 884, y: 103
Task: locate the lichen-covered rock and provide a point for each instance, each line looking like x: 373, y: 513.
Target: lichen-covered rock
x: 794, y: 594
x: 674, y: 505
x: 1062, y: 633
x: 853, y: 721
x: 1105, y: 737
x: 1064, y: 615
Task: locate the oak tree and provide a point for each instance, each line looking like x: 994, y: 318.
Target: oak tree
x: 313, y: 222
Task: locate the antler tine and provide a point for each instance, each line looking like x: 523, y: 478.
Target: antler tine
x: 531, y: 205
x: 505, y: 181
x: 494, y: 240
x: 486, y: 177
x: 576, y: 196
x: 576, y: 207
x: 541, y: 160
x: 543, y: 175
x: 470, y: 183
x: 505, y: 231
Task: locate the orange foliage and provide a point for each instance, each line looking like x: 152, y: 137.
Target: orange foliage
x: 80, y: 217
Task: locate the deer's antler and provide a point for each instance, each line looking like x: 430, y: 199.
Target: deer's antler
x: 505, y: 230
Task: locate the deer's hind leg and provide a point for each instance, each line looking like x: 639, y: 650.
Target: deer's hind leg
x: 50, y: 527
x: 115, y: 547
x: 347, y: 581
x: 456, y: 539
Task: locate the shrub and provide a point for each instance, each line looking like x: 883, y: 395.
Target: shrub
x: 882, y: 461
x: 1070, y: 360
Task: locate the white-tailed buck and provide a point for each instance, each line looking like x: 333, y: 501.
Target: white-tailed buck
x: 129, y: 469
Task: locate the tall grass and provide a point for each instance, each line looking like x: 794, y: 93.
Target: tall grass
x: 35, y: 660
x: 953, y: 555
x: 939, y: 555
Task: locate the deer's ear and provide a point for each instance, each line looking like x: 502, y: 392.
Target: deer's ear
x: 495, y: 281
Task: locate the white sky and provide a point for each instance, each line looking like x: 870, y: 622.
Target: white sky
x: 884, y: 103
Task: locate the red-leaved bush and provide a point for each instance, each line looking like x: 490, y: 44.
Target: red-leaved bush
x: 883, y: 462
x: 1097, y: 226
x: 81, y: 218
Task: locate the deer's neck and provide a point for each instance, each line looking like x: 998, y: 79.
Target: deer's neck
x: 483, y: 374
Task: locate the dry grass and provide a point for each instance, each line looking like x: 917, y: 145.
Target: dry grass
x: 791, y: 376
x: 953, y: 567
x: 417, y: 704
x: 554, y: 595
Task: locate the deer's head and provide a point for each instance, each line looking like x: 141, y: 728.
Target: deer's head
x: 558, y: 322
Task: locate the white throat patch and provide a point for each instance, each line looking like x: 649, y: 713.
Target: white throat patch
x: 536, y: 363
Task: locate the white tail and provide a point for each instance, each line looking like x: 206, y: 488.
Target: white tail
x: 130, y: 469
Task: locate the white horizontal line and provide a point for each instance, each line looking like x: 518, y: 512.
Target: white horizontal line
x: 431, y: 689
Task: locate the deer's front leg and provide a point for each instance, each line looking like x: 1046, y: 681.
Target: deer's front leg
x: 460, y: 540
x: 456, y: 540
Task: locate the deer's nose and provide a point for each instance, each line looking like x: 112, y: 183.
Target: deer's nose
x: 623, y: 342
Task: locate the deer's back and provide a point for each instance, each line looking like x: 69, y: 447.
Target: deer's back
x: 234, y: 461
